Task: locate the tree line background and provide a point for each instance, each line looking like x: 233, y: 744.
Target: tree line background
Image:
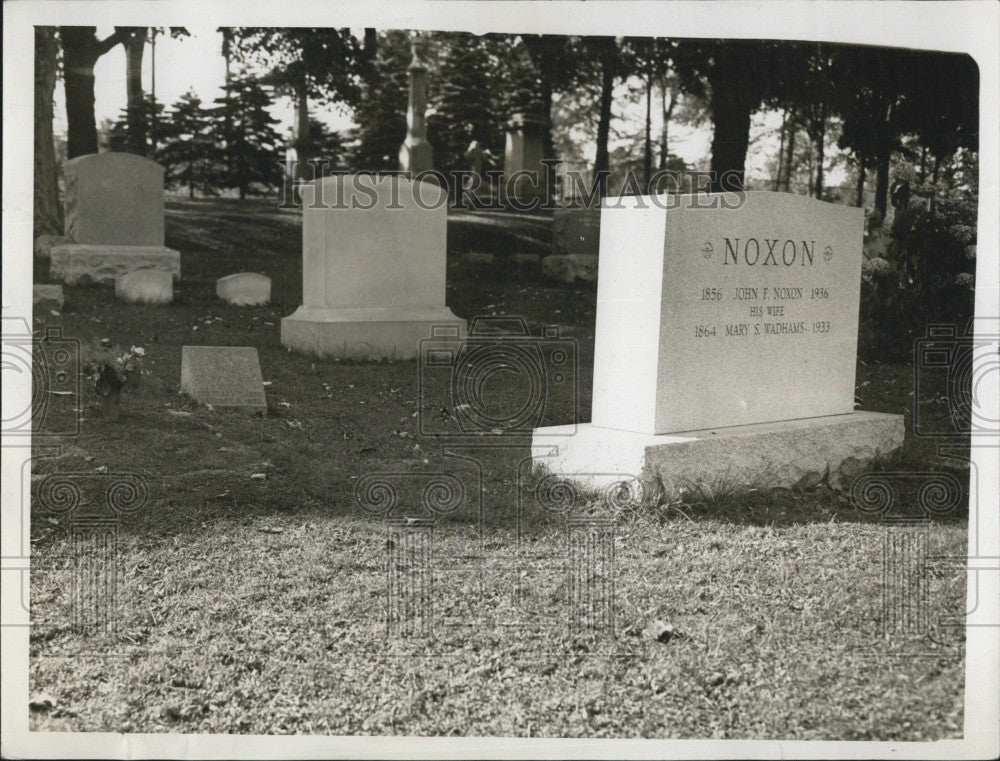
x: 876, y: 104
x: 902, y: 123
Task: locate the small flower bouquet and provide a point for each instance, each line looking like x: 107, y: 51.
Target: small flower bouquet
x: 109, y: 369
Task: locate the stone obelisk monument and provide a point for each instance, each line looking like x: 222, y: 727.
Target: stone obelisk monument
x: 416, y: 154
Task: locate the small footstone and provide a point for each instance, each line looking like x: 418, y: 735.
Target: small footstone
x: 47, y: 297
x: 244, y: 289
x: 479, y: 257
x: 223, y: 376
x: 570, y: 268
x: 145, y: 287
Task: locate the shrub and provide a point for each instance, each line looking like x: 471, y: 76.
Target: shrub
x: 927, y: 275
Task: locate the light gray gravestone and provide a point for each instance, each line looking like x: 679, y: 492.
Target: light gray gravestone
x: 223, y: 376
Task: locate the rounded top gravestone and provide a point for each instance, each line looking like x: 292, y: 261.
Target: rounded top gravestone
x: 114, y: 199
x: 244, y: 289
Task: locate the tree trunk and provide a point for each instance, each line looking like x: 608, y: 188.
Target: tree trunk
x: 781, y: 150
x: 601, y: 159
x: 79, y: 58
x: 820, y: 150
x: 48, y: 212
x: 81, y: 49
x: 135, y: 45
x: 647, y: 156
x: 882, y: 182
x: 668, y: 110
x: 790, y: 151
x: 153, y: 116
x: 731, y: 111
x: 859, y: 188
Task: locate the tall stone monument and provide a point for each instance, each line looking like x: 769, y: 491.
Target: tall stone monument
x: 525, y: 176
x: 416, y: 154
x: 114, y: 218
x: 373, y: 274
x: 726, y: 346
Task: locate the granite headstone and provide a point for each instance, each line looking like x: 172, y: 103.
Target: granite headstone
x: 223, y: 376
x: 373, y: 274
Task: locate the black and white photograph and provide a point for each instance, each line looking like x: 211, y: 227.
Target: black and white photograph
x: 501, y: 379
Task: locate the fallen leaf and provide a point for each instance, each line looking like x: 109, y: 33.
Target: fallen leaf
x: 659, y: 631
x: 42, y: 702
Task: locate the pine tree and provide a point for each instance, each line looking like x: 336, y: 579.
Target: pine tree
x: 328, y: 146
x: 250, y: 145
x: 120, y: 131
x: 465, y: 101
x: 188, y: 152
x: 381, y: 114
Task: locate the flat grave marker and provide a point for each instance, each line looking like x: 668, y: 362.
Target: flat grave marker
x: 223, y: 376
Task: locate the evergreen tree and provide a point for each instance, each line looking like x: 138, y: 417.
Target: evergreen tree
x: 134, y: 129
x: 381, y: 113
x: 464, y: 101
x: 250, y: 145
x: 188, y: 152
x: 329, y: 146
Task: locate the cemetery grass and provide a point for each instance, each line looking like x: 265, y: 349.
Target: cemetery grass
x: 257, y: 605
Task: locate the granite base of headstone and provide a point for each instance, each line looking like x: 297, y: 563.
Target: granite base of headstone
x: 725, y: 347
x: 223, y: 376
x: 148, y: 286
x: 47, y: 297
x: 76, y: 263
x: 374, y: 261
x: 244, y: 289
